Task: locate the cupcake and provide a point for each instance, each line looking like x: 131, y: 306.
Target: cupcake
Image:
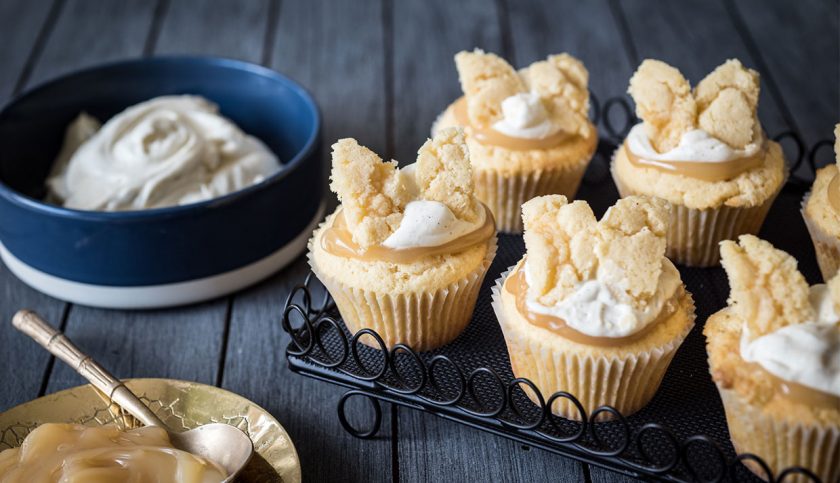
x: 528, y: 132
x: 774, y: 354
x: 594, y: 308
x: 703, y: 151
x: 406, y: 251
x: 821, y: 210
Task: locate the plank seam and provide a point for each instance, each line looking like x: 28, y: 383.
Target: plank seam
x: 388, y: 64
x: 38, y: 46
x: 395, y: 460
x: 220, y: 370
x: 503, y: 14
x: 271, y: 31
x: 62, y: 326
x: 158, y: 16
x: 624, y: 31
x: 752, y: 47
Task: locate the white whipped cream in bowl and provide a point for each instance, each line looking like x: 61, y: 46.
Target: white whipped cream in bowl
x: 167, y: 151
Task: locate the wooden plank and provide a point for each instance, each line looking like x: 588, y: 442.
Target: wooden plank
x: 24, y: 26
x: 215, y: 27
x: 335, y: 49
x: 91, y: 32
x: 21, y: 24
x: 797, y: 45
x: 426, y: 37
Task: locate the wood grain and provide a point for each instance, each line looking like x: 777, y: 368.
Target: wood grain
x: 334, y: 48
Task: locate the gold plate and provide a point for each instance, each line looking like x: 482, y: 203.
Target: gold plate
x: 181, y: 405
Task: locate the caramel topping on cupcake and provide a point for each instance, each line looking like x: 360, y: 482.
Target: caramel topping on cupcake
x: 560, y: 81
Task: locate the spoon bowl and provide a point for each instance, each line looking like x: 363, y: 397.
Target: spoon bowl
x: 224, y: 445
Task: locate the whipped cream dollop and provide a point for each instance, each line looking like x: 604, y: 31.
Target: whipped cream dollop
x: 696, y: 145
x: 594, y: 310
x: 427, y: 223
x: 525, y: 117
x: 807, y: 353
x: 167, y: 151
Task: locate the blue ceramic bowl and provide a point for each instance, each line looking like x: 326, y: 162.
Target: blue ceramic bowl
x: 165, y: 256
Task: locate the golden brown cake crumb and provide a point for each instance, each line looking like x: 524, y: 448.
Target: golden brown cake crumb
x: 727, y: 102
x: 369, y: 190
x: 566, y: 245
x: 374, y: 195
x: 444, y: 174
x: 486, y: 80
x: 767, y: 291
x: 560, y: 81
x: 664, y: 102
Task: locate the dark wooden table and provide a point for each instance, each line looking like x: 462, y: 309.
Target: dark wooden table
x: 381, y: 71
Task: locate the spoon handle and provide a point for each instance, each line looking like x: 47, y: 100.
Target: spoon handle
x: 60, y: 346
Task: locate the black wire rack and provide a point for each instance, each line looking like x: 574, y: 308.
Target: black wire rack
x: 681, y: 435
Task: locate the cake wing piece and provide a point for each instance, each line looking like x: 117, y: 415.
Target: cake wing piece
x: 444, y: 174
x: 727, y: 102
x: 562, y: 82
x: 766, y: 289
x: 370, y: 190
x: 632, y: 245
x: 664, y: 102
x: 486, y: 80
x: 558, y: 237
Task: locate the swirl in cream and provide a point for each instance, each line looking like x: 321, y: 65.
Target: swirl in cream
x: 525, y: 117
x: 593, y: 310
x: 167, y: 151
x: 808, y: 353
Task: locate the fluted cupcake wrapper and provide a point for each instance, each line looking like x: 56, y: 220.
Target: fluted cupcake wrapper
x: 626, y: 383
x: 781, y: 444
x: 422, y: 320
x: 504, y: 193
x: 827, y: 247
x: 694, y: 235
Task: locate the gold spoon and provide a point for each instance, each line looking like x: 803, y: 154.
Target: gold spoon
x: 220, y: 443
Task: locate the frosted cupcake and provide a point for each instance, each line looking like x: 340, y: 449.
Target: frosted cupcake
x: 821, y: 210
x: 704, y: 152
x: 774, y: 354
x: 406, y: 251
x: 528, y: 132
x: 594, y: 308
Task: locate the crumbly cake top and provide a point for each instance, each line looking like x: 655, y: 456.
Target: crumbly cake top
x: 560, y: 81
x: 373, y: 193
x: 566, y: 245
x: 767, y: 291
x: 724, y: 103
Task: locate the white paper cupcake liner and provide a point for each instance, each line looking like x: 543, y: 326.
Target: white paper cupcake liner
x: 694, y: 235
x: 626, y: 383
x: 781, y: 444
x: 505, y: 193
x: 423, y: 320
x: 827, y: 247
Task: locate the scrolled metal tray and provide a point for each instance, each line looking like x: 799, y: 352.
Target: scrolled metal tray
x: 681, y: 435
